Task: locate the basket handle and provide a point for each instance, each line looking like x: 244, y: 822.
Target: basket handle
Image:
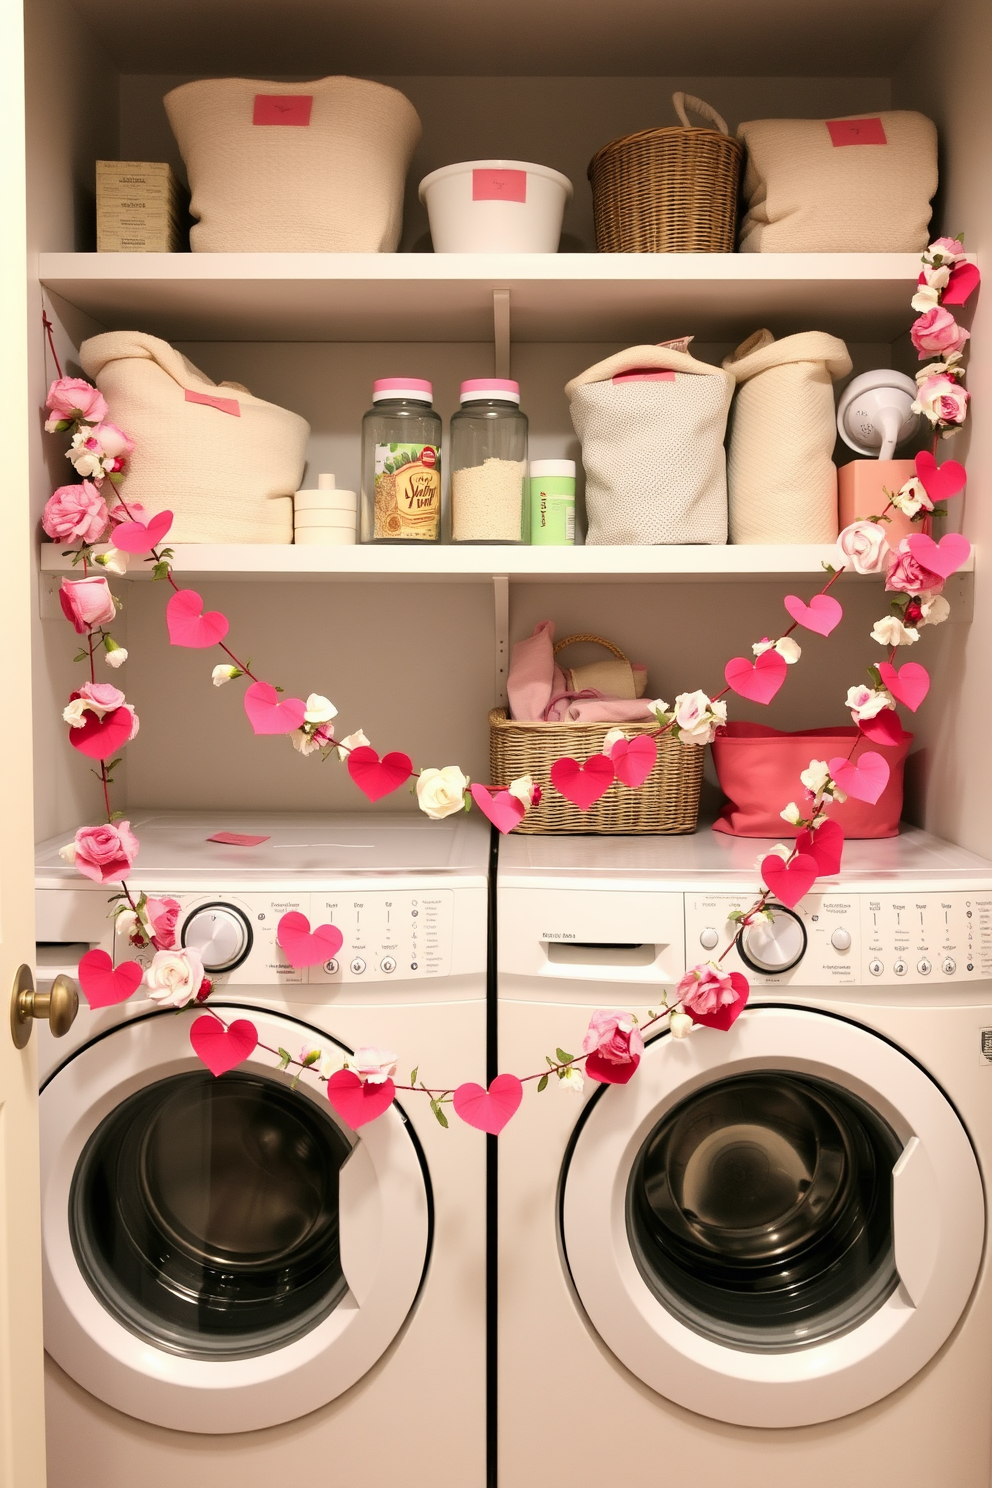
x: 683, y: 101
x: 596, y: 640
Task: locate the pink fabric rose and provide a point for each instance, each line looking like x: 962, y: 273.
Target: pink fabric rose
x: 941, y: 400
x: 865, y: 548
x: 613, y: 1046
x: 101, y: 697
x: 908, y: 576
x: 937, y: 332
x: 713, y: 997
x: 162, y: 916
x: 87, y: 603
x: 113, y: 441
x: 72, y: 398
x: 103, y: 853
x: 949, y: 249
x: 76, y: 514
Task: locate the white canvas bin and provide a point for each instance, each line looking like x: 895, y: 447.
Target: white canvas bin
x: 224, y: 463
x: 781, y: 478
x: 652, y: 422
x: 294, y: 167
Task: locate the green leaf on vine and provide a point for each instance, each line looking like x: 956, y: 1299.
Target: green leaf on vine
x: 413, y: 1074
x: 161, y: 571
x: 436, y: 1108
x: 284, y: 1058
x: 564, y: 1058
x: 542, y: 1084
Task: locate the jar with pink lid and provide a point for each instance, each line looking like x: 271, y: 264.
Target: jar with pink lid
x: 401, y: 463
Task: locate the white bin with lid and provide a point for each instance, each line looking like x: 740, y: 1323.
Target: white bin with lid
x: 495, y: 206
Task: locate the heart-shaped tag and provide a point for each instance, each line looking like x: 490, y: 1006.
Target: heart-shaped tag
x: 270, y: 714
x: 760, y: 682
x: 358, y: 1101
x: 790, y: 881
x: 826, y: 845
x: 822, y: 615
x: 488, y: 1110
x: 884, y: 728
x: 188, y: 626
x: 222, y: 1049
x: 99, y: 738
x: 940, y: 482
x: 943, y: 558
x: 909, y: 685
x: 634, y: 759
x: 103, y: 984
x: 608, y: 1073
x: 141, y: 537
x: 965, y: 279
x: 864, y: 779
x: 728, y: 1013
x: 583, y: 784
x: 377, y: 777
x: 503, y: 810
x: 304, y: 947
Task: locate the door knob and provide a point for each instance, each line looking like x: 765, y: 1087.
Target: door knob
x: 59, y: 1005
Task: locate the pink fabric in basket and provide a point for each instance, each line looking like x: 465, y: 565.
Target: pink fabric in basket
x: 759, y: 767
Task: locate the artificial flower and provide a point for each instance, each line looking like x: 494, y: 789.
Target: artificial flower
x: 102, y: 853
x: 941, y: 400
x: 710, y: 995
x: 224, y: 672
x: 319, y: 709
x: 944, y: 250
x: 613, y: 736
x: 680, y: 1025
x: 934, y: 609
x: 615, y: 1037
x: 660, y: 710
x: 114, y: 560
x: 87, y: 603
x: 791, y: 814
x: 785, y: 646
x: 864, y: 547
x: 912, y: 497
x: 441, y: 793
x: 309, y: 739
x: 570, y: 1079
x: 70, y: 398
x: 174, y: 976
x: 114, y: 655
x: 890, y: 631
x: 868, y: 702
x: 937, y: 332
x: 816, y: 776
x: 162, y: 916
x: 928, y: 295
x: 698, y: 718
x: 75, y: 514
x: 375, y: 1066
x: 949, y: 367
x: 357, y: 740
x: 906, y: 574
x: 781, y: 850
x: 525, y: 789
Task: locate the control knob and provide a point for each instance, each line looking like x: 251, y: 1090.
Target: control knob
x: 220, y: 933
x: 775, y: 945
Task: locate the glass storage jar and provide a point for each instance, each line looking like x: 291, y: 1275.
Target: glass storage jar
x: 488, y: 463
x: 401, y: 463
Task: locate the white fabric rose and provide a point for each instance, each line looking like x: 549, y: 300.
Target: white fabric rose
x: 319, y: 709
x: 523, y: 787
x: 441, y: 793
x: 785, y: 646
x: 935, y: 610
x: 912, y: 497
x: 868, y: 702
x: 791, y: 814
x: 571, y: 1079
x: 863, y: 546
x: 375, y: 1066
x: 357, y: 740
x: 224, y: 673
x: 174, y: 977
x: 890, y: 631
x: 114, y: 560
x: 815, y: 776
x: 926, y: 296
x: 613, y: 737
x: 698, y: 718
x: 75, y: 712
x: 680, y: 1024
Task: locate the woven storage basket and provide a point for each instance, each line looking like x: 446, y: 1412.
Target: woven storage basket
x: 667, y: 802
x: 668, y: 190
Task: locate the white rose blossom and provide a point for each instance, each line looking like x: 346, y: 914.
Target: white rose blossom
x: 114, y: 560
x: 174, y: 977
x: 523, y: 788
x: 926, y: 296
x: 890, y: 631
x: 319, y: 709
x: 75, y: 713
x: 868, y: 702
x: 441, y: 793
x: 571, y: 1079
x: 375, y: 1066
x: 912, y: 497
x: 935, y: 609
x: 791, y: 814
x: 863, y: 546
x: 698, y: 718
x: 785, y: 646
x: 816, y: 776
x: 224, y: 673
x: 357, y: 740
x: 680, y: 1024
x: 613, y: 736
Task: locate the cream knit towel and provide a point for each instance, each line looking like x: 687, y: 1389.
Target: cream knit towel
x: 329, y: 182
x: 781, y: 478
x: 227, y: 472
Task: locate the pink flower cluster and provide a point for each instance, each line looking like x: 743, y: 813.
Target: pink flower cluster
x: 76, y: 514
x: 711, y: 996
x: 613, y: 1045
x: 103, y: 853
x: 865, y: 547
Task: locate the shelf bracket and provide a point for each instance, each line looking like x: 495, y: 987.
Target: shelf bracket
x: 501, y: 611
x: 501, y: 333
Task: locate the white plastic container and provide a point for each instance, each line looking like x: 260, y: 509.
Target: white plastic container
x: 495, y: 206
x: 326, y: 519
x: 328, y: 537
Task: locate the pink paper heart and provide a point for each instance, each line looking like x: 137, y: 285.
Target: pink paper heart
x: 358, y: 1101
x: 141, y: 537
x: 943, y: 558
x: 608, y: 1073
x: 884, y: 728
x: 503, y: 810
x: 583, y: 784
x: 965, y: 279
x: 375, y: 776
x: 822, y: 615
x: 634, y: 759
x: 759, y: 682
x: 940, y: 482
x: 306, y: 947
x: 825, y: 845
x: 489, y: 1110
x: 270, y: 714
x: 865, y: 779
x: 99, y: 738
x: 222, y: 1049
x: 790, y: 881
x: 104, y: 984
x: 909, y: 685
x: 188, y: 626
x: 726, y: 1015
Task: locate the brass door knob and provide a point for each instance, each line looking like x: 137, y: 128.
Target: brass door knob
x: 59, y: 1005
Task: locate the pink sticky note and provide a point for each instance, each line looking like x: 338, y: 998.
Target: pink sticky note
x: 226, y: 405
x: 856, y: 132
x: 499, y: 185
x: 282, y: 108
x: 645, y: 374
x: 237, y: 839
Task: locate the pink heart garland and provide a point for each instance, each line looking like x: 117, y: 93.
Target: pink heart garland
x: 965, y: 279
x: 943, y: 558
x: 104, y: 984
x: 377, y: 777
x: 940, y: 482
x: 724, y: 1017
x: 358, y: 1101
x: 909, y: 685
x: 822, y: 615
x: 583, y: 784
x: 488, y: 1110
x: 503, y: 810
x: 141, y: 537
x: 188, y: 626
x: 825, y: 845
x: 608, y: 1073
x: 759, y: 682
x: 270, y: 714
x: 99, y: 738
x: 864, y: 779
x: 304, y: 947
x: 790, y: 881
x: 634, y: 759
x: 222, y: 1049
x: 885, y: 728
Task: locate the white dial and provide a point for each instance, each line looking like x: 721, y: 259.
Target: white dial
x: 774, y: 945
x: 221, y: 935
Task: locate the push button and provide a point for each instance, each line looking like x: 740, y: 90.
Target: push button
x: 331, y: 967
x: 924, y: 967
x: 899, y: 967
x: 357, y: 966
x: 875, y: 967
x: 387, y: 964
x: 841, y: 939
x: 709, y: 938
x: 948, y: 966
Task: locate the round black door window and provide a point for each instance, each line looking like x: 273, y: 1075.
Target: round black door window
x: 759, y: 1211
x: 204, y: 1214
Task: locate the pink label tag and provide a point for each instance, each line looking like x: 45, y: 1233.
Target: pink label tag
x: 645, y: 374
x: 225, y: 405
x: 282, y: 108
x: 237, y: 839
x: 856, y: 132
x: 499, y: 185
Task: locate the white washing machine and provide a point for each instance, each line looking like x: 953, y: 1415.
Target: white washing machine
x: 763, y: 1260
x: 238, y: 1288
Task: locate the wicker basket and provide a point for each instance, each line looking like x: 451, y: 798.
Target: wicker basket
x: 668, y: 190
x: 667, y: 802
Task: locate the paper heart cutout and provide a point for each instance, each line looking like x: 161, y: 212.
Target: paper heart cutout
x: 306, y: 947
x: 268, y: 713
x: 965, y: 279
x: 141, y: 537
x: 864, y: 779
x: 909, y: 685
x: 943, y: 558
x: 358, y: 1101
x: 790, y: 881
x: 488, y: 1110
x: 826, y: 845
x: 725, y: 1016
x: 188, y: 626
x: 222, y: 1049
x: 583, y: 784
x: 607, y: 1073
x: 102, y: 983
x: 375, y: 776
x: 940, y: 482
x: 503, y: 810
x: 634, y: 759
x: 885, y: 728
x: 99, y: 738
x: 759, y: 682
x: 822, y: 615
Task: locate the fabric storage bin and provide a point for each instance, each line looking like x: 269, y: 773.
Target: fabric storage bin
x: 223, y: 462
x: 652, y: 422
x: 759, y: 767
x: 851, y: 185
x: 781, y: 478
x: 294, y: 167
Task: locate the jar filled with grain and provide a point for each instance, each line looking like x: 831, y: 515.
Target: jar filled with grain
x: 488, y: 463
x: 401, y: 463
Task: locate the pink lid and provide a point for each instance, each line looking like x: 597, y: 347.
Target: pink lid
x: 402, y: 387
x: 489, y: 387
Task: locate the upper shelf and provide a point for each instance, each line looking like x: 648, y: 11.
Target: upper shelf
x: 448, y: 296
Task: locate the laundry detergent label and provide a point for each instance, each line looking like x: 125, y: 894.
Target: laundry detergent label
x: 407, y: 491
x: 282, y: 108
x: 499, y: 185
x: 856, y: 132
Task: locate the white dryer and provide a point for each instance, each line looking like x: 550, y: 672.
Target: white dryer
x: 763, y: 1260
x: 237, y: 1286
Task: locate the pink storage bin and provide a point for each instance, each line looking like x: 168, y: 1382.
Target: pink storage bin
x: 759, y: 767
